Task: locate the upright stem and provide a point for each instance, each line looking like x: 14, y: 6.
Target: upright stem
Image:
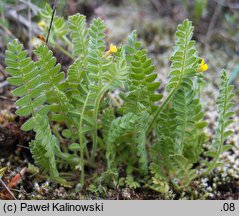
x: 64, y: 51
x: 213, y: 164
x: 160, y: 109
x: 81, y: 143
x: 96, y: 109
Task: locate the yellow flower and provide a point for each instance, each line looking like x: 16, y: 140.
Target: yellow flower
x: 203, y: 66
x: 42, y: 24
x: 113, y: 48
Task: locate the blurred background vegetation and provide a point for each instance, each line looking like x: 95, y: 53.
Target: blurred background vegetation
x: 215, y: 21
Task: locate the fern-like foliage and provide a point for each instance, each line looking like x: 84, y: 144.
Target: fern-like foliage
x: 189, y: 117
x: 158, y: 182
x: 52, y: 77
x: 49, y: 70
x: 141, y: 141
x: 118, y: 127
x: 108, y: 117
x: 44, y: 146
x: 167, y: 123
x: 95, y: 68
x: 131, y: 183
x: 184, y: 173
x: 163, y: 150
x: 135, y: 101
x: 189, y: 122
x: 171, y: 142
x: 224, y: 105
x: 75, y: 85
x: 132, y: 46
x: 180, y: 125
x: 29, y: 86
x: 95, y: 53
x: 184, y: 64
x: 103, y: 73
x: 117, y: 72
x: 141, y: 75
x: 72, y: 113
x: 79, y: 36
x: 184, y: 60
x: 60, y: 108
x: 130, y: 129
x: 139, y: 101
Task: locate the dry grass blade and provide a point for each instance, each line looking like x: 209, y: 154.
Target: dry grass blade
x: 52, y: 17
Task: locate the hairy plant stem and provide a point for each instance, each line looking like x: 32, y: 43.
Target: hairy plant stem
x: 96, y: 109
x: 73, y: 160
x: 198, y: 87
x: 68, y: 41
x: 81, y: 142
x: 213, y: 164
x: 84, y: 50
x: 68, y: 120
x: 184, y: 127
x: 64, y: 51
x: 160, y: 109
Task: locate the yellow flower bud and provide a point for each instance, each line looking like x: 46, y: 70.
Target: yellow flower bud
x: 203, y: 66
x: 42, y: 24
x: 113, y: 48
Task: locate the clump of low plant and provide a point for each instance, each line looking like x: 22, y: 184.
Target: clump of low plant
x: 142, y: 138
